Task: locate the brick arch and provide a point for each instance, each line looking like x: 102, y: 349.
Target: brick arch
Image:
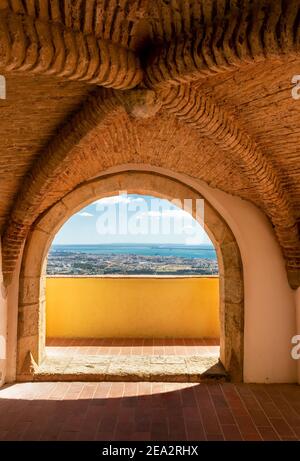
x: 31, y: 313
x: 105, y: 45
x: 107, y: 131
x: 199, y: 39
x: 208, y: 118
x: 44, y: 47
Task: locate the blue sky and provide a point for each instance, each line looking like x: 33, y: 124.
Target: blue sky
x: 132, y: 219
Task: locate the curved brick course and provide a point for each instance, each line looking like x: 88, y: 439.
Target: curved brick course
x: 40, y: 47
x: 178, y: 50
x: 209, y: 37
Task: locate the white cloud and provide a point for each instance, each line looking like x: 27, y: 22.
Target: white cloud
x: 151, y: 214
x: 165, y: 213
x: 189, y: 227
x: 176, y: 213
x: 123, y: 198
x: 85, y: 214
x: 136, y: 200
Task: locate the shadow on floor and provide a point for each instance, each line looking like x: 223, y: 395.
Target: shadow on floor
x: 149, y: 411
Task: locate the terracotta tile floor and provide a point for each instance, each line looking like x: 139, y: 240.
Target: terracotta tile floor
x: 209, y: 346
x: 149, y: 411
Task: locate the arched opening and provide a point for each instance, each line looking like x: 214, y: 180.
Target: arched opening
x: 134, y: 275
x: 31, y: 334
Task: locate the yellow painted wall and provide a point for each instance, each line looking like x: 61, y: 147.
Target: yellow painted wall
x: 132, y: 307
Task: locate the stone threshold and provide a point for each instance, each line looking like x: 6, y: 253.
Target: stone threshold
x: 171, y: 368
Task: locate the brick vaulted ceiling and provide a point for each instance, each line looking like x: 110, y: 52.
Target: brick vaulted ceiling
x: 201, y: 87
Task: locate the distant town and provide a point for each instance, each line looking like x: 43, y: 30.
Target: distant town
x: 78, y: 263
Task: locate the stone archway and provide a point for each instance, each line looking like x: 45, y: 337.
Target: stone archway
x: 31, y: 313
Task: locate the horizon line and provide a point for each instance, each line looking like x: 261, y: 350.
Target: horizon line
x: 135, y: 244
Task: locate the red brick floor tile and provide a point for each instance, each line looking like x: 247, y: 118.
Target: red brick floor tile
x: 90, y: 423
x: 195, y: 435
x: 247, y: 428
x: 268, y: 434
x: 17, y: 431
x: 253, y: 437
x: 107, y: 424
x: 130, y: 390
x: 266, y: 402
x: 102, y: 436
x: 102, y: 390
x: 255, y: 410
x: 289, y: 438
x: 141, y: 436
x: 296, y: 429
x: 231, y: 432
x: 149, y: 411
x: 194, y: 429
x: 214, y: 437
x: 35, y: 430
x: 191, y: 413
x: 288, y: 412
x: 126, y: 414
x: 68, y: 436
x: 116, y: 390
x: 3, y: 435
x: 143, y: 423
x: 52, y: 430
x: 88, y: 391
x: 282, y: 428
x: 211, y: 425
x: 259, y: 418
x: 128, y: 346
